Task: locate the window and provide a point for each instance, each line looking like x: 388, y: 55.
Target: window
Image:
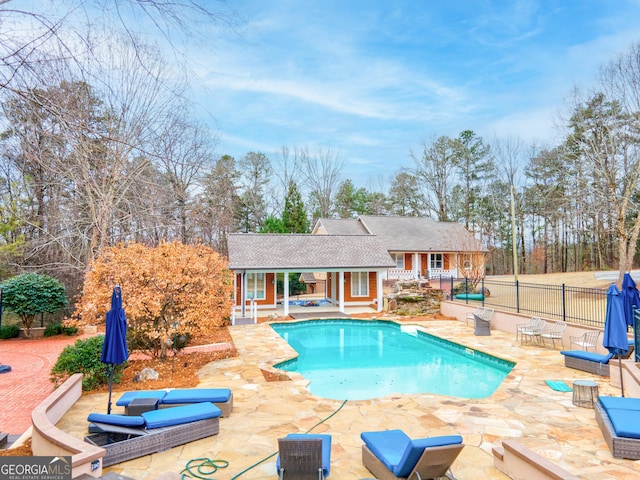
x: 359, y: 284
x: 399, y: 259
x: 466, y: 262
x: 436, y: 261
x: 256, y: 286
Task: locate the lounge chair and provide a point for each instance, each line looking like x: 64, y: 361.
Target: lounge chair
x: 125, y: 437
x: 619, y: 421
x: 586, y: 341
x: 220, y: 397
x: 304, y: 456
x: 556, y: 332
x: 591, y: 362
x: 392, y: 454
x: 595, y: 363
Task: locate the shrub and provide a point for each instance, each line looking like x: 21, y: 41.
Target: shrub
x: 69, y: 331
x: 84, y: 357
x: 9, y: 331
x: 53, y: 329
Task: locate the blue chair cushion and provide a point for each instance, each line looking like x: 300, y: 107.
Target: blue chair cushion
x: 127, y: 397
x: 398, y: 452
x: 414, y: 451
x: 167, y: 417
x: 388, y: 446
x: 326, y: 449
x: 196, y: 395
x: 115, y: 419
x: 590, y: 356
x: 621, y: 403
x: 624, y: 414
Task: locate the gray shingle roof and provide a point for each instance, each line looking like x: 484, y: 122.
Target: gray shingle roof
x: 306, y: 251
x: 341, y: 226
x: 414, y: 234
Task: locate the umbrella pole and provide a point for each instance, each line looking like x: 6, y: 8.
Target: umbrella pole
x: 621, y: 381
x: 111, y: 388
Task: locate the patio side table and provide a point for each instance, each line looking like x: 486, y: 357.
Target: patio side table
x: 585, y: 392
x: 138, y: 406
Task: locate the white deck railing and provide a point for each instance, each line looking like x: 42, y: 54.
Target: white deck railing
x: 443, y: 273
x: 398, y: 274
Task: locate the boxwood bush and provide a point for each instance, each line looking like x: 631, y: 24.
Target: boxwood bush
x: 84, y: 357
x: 9, y: 331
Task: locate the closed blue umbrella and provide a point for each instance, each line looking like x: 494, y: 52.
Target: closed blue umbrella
x: 115, y: 350
x: 630, y: 297
x: 615, y: 327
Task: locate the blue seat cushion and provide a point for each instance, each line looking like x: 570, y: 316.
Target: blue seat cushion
x: 127, y: 397
x: 398, y: 452
x: 326, y: 449
x: 167, y: 417
x: 621, y: 403
x: 624, y: 414
x: 590, y: 356
x: 388, y: 446
x: 115, y: 419
x: 196, y: 395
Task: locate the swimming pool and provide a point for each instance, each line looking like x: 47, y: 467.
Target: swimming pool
x: 360, y: 360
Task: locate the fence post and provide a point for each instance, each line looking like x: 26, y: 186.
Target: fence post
x: 564, y: 305
x: 450, y: 288
x: 517, y: 296
x: 482, y: 290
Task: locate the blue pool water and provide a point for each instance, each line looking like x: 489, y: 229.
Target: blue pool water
x: 359, y: 360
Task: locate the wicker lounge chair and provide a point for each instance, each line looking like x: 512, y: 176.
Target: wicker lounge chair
x: 125, y: 437
x: 595, y: 363
x: 304, y: 456
x: 220, y: 397
x: 619, y: 421
x: 392, y: 455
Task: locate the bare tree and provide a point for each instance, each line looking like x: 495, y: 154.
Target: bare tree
x: 321, y: 171
x: 436, y: 167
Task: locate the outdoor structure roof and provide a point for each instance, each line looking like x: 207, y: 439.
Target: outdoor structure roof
x: 340, y: 226
x: 408, y: 234
x: 272, y: 252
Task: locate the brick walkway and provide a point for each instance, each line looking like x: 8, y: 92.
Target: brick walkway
x: 27, y: 384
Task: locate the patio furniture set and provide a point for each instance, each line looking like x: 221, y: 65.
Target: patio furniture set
x: 387, y: 454
x: 149, y: 426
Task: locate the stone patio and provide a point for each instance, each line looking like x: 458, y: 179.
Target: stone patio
x: 523, y: 407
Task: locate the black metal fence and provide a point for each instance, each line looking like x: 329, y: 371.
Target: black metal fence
x: 586, y: 306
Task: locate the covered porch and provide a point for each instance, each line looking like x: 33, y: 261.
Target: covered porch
x: 355, y: 267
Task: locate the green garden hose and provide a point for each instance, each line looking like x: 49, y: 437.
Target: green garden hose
x: 206, y: 466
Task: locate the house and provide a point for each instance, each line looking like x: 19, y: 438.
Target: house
x: 355, y: 255
x: 420, y: 247
x: 354, y: 266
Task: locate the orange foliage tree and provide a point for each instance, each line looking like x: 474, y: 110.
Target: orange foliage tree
x: 169, y: 291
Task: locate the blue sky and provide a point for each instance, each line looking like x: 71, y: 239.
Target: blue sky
x: 372, y: 79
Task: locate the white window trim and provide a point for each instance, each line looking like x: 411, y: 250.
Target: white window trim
x: 359, y: 285
x: 433, y: 261
x: 400, y: 265
x: 253, y: 281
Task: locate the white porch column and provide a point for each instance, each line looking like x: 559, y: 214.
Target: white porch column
x: 341, y: 291
x: 416, y: 265
x: 243, y: 293
x: 379, y: 288
x: 286, y: 294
